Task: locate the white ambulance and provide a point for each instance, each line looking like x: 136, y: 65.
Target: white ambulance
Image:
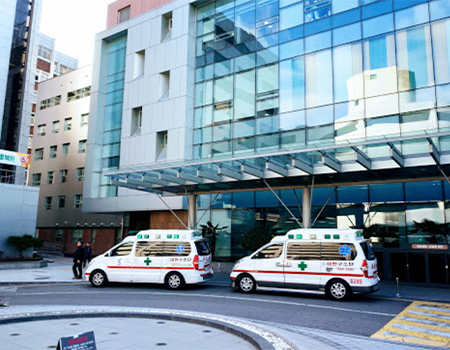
x: 172, y: 257
x: 340, y: 262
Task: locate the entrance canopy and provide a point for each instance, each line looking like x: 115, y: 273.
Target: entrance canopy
x: 401, y: 159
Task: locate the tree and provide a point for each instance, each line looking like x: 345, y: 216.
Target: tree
x: 25, y: 242
x: 209, y: 231
x: 436, y: 232
x: 255, y: 238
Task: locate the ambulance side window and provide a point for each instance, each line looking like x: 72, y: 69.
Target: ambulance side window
x: 176, y: 248
x: 122, y: 250
x: 149, y: 248
x: 303, y: 251
x: 271, y: 252
x: 338, y: 251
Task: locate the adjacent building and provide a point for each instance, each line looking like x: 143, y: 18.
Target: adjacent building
x: 57, y: 166
x: 275, y: 114
x: 19, y: 24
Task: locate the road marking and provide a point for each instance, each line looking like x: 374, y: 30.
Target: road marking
x: 425, y: 323
x: 199, y: 295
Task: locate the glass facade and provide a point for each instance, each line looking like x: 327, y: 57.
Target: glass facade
x: 288, y: 74
x: 281, y: 75
x: 112, y: 121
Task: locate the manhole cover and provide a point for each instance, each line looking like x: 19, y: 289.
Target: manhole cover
x: 161, y: 344
x: 114, y: 333
x: 42, y: 278
x: 74, y: 324
x: 206, y: 331
x: 160, y: 322
x: 51, y: 347
x: 14, y: 334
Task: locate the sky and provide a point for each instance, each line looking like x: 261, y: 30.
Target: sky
x: 74, y: 23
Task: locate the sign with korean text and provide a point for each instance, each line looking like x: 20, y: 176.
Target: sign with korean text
x: 14, y: 158
x: 430, y: 246
x: 85, y: 341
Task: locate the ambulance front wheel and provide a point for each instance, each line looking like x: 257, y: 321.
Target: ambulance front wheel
x: 98, y: 278
x: 246, y: 284
x: 338, y: 290
x: 174, y: 281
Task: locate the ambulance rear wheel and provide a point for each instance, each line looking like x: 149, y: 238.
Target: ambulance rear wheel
x: 174, y: 281
x: 338, y: 290
x: 98, y: 279
x: 246, y: 284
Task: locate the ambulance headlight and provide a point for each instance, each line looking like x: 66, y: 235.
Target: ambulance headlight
x: 236, y: 264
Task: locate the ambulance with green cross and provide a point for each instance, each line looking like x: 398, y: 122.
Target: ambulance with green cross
x: 339, y: 262
x: 172, y: 257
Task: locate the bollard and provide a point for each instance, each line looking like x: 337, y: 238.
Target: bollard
x: 397, y: 295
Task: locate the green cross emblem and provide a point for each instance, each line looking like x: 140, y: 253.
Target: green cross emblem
x: 148, y: 261
x: 302, y: 266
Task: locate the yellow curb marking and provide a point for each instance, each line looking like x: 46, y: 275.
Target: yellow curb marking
x: 423, y: 338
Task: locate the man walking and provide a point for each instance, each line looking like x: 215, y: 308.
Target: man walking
x: 78, y: 259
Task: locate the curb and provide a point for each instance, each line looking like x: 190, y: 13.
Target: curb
x: 23, y: 265
x: 260, y: 338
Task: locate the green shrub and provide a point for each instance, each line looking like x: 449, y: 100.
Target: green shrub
x: 25, y: 242
x: 255, y: 238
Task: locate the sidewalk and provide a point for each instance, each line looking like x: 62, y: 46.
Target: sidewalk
x: 60, y: 271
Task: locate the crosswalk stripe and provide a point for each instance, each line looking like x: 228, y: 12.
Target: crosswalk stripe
x: 428, y: 315
x: 398, y: 329
x: 421, y: 327
x: 426, y: 320
x: 436, y: 312
x: 424, y: 323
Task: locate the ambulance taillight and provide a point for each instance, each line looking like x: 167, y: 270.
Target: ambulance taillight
x: 196, y: 262
x: 365, y: 269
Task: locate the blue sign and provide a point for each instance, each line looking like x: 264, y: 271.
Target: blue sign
x: 85, y: 341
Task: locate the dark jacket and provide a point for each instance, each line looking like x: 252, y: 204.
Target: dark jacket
x: 88, y: 253
x: 79, y: 254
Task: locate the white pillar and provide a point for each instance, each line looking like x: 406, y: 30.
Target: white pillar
x: 306, y: 207
x: 192, y: 211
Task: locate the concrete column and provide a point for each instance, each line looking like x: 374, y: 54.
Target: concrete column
x: 306, y: 207
x: 192, y: 211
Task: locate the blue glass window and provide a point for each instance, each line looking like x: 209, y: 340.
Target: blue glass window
x: 317, y: 26
x: 376, y: 9
x: 266, y: 199
x: 343, y: 5
x: 348, y: 78
x: 321, y: 194
x: 291, y: 16
x: 443, y: 95
x: 291, y: 49
x: 346, y: 34
x: 318, y: 42
x: 291, y: 198
x: 267, y: 56
x: 348, y: 17
x: 319, y: 86
x: 441, y: 44
x: 319, y: 116
x: 423, y: 191
x: 293, y: 120
x: 386, y: 193
x: 266, y: 9
x: 292, y: 84
x: 439, y: 9
x: 378, y: 25
x: 244, y: 199
x: 245, y: 22
x: 411, y: 16
x: 353, y: 194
